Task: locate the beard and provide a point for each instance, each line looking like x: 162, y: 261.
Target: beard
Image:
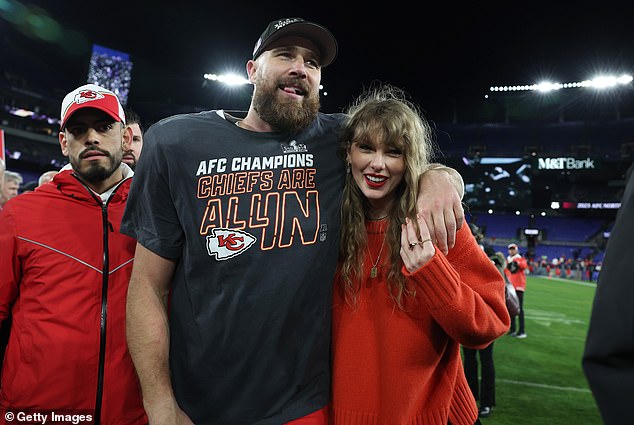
x: 285, y: 115
x: 130, y: 159
x: 95, y: 172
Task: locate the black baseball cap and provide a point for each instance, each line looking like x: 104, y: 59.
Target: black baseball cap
x: 323, y: 39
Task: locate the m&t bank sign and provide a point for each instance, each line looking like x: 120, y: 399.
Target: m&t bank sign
x: 567, y: 163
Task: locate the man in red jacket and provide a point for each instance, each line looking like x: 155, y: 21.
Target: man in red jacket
x: 64, y: 273
x: 516, y: 266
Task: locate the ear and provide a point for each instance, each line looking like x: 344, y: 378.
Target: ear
x: 252, y: 67
x: 63, y: 143
x: 126, y: 142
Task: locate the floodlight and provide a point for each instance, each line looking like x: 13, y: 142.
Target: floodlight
x: 228, y: 79
x: 599, y: 82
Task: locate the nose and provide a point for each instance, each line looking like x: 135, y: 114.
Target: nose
x: 378, y: 161
x: 298, y: 66
x: 92, y: 136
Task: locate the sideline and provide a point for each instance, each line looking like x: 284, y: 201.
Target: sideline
x: 559, y: 279
x: 550, y: 387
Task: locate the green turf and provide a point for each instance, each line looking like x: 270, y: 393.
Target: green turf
x: 539, y: 379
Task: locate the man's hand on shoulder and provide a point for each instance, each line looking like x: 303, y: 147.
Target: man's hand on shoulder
x: 440, y: 204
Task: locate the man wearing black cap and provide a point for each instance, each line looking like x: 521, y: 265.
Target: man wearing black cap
x: 237, y: 221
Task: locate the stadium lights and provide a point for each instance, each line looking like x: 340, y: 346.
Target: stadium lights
x: 228, y: 79
x: 22, y: 113
x: 236, y: 80
x: 27, y: 113
x: 601, y: 82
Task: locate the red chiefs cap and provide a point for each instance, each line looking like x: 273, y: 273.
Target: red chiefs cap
x: 91, y: 96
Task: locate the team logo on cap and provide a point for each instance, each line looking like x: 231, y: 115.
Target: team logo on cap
x: 87, y: 96
x: 284, y: 22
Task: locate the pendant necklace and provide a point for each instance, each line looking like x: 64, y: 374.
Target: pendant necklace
x: 373, y: 270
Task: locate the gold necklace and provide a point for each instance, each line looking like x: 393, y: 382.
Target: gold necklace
x: 373, y: 270
x: 377, y: 219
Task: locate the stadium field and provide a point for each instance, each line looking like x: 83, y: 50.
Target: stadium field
x: 539, y: 380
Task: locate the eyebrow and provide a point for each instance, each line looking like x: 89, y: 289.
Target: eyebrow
x: 295, y: 49
x: 90, y: 122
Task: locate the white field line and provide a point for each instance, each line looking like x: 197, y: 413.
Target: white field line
x: 550, y: 387
x: 546, y: 318
x: 576, y: 282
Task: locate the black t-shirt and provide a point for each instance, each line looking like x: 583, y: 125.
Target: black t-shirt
x: 253, y: 222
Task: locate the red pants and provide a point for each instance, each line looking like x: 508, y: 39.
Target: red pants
x: 320, y: 417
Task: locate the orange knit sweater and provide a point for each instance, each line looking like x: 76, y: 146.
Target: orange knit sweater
x: 403, y: 367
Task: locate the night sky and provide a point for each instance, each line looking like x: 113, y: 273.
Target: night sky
x: 448, y: 54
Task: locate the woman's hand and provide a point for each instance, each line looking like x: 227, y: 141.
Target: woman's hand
x: 416, y: 249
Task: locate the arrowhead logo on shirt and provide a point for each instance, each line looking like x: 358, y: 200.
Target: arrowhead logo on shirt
x: 227, y: 243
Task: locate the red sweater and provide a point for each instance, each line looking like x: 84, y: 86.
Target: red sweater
x: 403, y: 367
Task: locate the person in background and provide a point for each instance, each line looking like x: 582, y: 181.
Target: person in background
x: 481, y: 379
x: 132, y: 155
x: 5, y: 326
x: 516, y: 266
x: 10, y: 187
x: 402, y: 308
x: 237, y: 219
x: 608, y: 357
x: 479, y: 236
x: 3, y: 168
x: 64, y: 286
x: 46, y: 177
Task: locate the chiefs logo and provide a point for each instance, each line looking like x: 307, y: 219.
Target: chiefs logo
x: 227, y: 243
x: 87, y: 96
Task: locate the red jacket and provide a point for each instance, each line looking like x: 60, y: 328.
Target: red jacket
x: 518, y: 279
x: 64, y: 273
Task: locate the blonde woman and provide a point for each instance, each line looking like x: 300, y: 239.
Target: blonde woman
x: 401, y: 307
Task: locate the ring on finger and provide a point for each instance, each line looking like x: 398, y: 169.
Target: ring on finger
x: 421, y: 243
x: 412, y: 245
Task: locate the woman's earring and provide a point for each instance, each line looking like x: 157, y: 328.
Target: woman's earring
x: 348, y: 168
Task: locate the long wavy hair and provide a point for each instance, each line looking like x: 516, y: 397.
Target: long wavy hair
x: 384, y: 115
